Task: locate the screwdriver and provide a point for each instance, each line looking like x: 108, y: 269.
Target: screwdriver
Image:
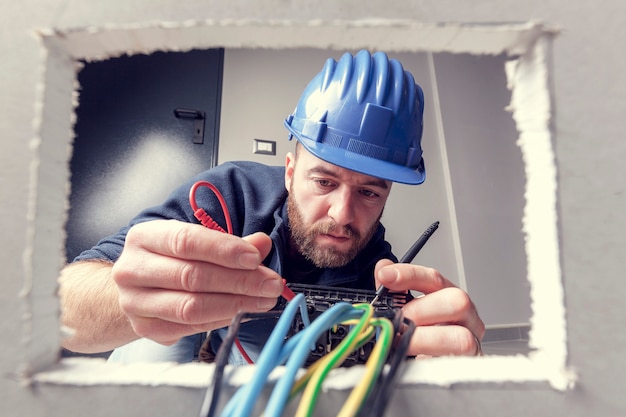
x: 409, y: 256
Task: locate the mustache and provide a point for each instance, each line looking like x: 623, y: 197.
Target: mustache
x: 330, y: 227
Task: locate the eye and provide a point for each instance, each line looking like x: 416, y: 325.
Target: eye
x: 323, y: 183
x: 369, y: 193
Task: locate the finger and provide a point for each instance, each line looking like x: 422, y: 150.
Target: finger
x: 168, y: 333
x: 193, y: 242
x: 155, y: 271
x: 261, y: 241
x: 188, y: 308
x: 447, y: 306
x: 443, y: 341
x: 405, y: 277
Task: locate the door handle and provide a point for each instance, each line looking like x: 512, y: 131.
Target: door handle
x: 198, y: 117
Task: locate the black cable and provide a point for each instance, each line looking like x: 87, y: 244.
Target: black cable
x: 211, y: 398
x: 375, y: 392
x: 379, y: 397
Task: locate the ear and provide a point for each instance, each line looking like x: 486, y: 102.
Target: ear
x: 290, y: 165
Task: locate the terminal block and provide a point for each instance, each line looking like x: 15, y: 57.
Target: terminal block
x: 321, y: 298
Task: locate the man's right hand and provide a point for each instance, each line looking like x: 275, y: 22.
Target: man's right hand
x: 177, y: 279
x: 172, y: 279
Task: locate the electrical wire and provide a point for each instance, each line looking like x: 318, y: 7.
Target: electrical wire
x: 378, y: 399
x: 314, y: 376
x: 211, y: 399
x: 338, y: 313
x: 362, y: 339
x: 202, y: 215
x: 374, y: 383
x: 332, y: 360
x: 373, y: 368
x: 243, y: 401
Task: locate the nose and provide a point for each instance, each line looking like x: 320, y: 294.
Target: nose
x: 341, y: 207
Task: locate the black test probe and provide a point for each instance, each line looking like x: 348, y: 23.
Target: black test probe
x: 409, y: 255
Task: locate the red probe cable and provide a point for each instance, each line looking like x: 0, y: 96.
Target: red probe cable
x: 207, y: 221
x: 202, y: 215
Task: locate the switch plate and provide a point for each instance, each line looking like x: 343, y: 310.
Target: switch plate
x: 264, y: 147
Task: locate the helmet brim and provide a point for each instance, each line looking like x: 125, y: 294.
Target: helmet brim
x: 364, y: 164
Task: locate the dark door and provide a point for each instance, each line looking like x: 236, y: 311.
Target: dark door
x: 138, y: 136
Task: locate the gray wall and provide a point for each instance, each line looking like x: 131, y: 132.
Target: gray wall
x: 589, y: 104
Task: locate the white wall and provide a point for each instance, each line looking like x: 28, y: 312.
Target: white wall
x: 588, y: 94
x: 487, y: 178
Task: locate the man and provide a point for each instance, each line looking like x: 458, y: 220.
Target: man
x: 166, y: 280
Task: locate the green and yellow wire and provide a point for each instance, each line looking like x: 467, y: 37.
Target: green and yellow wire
x: 373, y: 368
x: 359, y: 335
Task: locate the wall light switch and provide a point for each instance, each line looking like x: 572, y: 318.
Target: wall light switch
x: 265, y: 147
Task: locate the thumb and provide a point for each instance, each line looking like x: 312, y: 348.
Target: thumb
x: 379, y: 265
x: 261, y: 241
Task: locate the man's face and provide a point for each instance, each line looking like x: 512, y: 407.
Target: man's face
x: 333, y: 212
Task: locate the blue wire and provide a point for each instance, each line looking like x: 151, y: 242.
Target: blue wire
x: 290, y: 345
x: 242, y: 403
x: 336, y: 314
x: 295, y: 350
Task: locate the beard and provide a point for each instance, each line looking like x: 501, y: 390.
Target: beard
x: 304, y: 238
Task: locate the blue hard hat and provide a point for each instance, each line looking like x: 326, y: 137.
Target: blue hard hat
x: 363, y: 113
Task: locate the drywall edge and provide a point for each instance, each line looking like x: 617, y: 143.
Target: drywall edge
x: 530, y: 105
